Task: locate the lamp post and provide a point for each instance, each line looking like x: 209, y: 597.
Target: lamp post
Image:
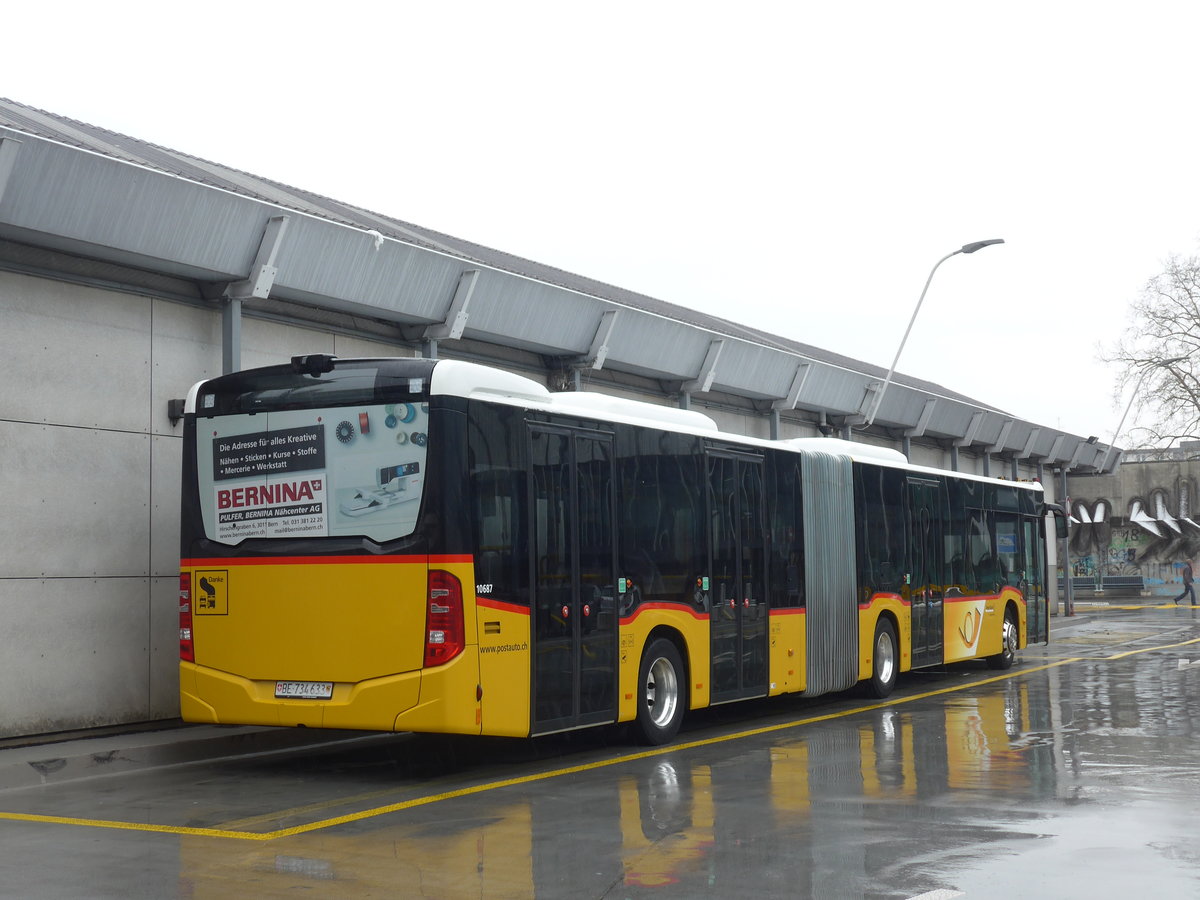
x: 965, y: 248
x: 1128, y: 406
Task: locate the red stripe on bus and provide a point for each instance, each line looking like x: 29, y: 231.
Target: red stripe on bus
x: 875, y: 597
x: 501, y: 605
x: 324, y: 560
x: 673, y: 607
x: 789, y: 611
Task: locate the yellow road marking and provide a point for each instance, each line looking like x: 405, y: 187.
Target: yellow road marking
x: 427, y: 800
x: 1112, y: 637
x: 319, y: 806
x: 129, y: 826
x: 1097, y: 607
x: 1163, y: 647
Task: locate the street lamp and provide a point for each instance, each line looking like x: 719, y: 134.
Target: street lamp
x: 965, y: 248
x: 1128, y: 406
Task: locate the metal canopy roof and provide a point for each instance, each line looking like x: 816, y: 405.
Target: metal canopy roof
x: 71, y: 187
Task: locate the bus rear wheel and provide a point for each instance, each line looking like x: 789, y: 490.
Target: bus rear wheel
x: 885, y: 658
x: 1008, y: 655
x: 661, y: 695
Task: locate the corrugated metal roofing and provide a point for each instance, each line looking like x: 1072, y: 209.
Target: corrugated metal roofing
x: 69, y: 202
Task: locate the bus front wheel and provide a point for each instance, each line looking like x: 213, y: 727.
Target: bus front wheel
x: 1007, y: 656
x: 884, y: 660
x: 661, y: 694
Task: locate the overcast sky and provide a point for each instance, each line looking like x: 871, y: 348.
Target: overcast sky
x: 798, y: 167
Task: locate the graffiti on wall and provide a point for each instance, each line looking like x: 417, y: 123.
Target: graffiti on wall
x: 1153, y: 536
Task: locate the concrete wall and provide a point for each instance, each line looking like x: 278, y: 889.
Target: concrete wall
x: 89, y: 477
x: 1141, y: 520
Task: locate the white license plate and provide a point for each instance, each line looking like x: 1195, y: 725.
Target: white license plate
x: 303, y: 690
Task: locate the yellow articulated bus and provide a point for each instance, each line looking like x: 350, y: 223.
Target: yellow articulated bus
x: 434, y: 545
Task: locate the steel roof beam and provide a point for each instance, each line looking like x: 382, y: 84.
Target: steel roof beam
x: 793, y: 397
x: 923, y: 420
x: 1002, y: 440
x: 262, y: 273
x: 703, y: 381
x: 455, y: 323
x: 601, y: 340
x: 1056, y: 449
x: 1098, y: 455
x: 257, y: 286
x: 867, y: 407
x: 1027, y: 452
x: 8, y: 155
x: 1075, y: 456
x: 797, y: 387
x: 968, y: 437
x: 919, y: 429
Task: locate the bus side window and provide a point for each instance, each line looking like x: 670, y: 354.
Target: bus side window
x: 498, y: 489
x: 661, y: 546
x: 879, y: 504
x: 785, y: 576
x: 981, y: 573
x: 1008, y: 548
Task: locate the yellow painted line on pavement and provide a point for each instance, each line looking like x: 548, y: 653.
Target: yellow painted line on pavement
x: 1147, y: 649
x: 319, y: 806
x: 132, y: 826
x: 430, y: 799
x: 1100, y: 606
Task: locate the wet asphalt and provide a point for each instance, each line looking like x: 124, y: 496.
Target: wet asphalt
x: 1075, y: 774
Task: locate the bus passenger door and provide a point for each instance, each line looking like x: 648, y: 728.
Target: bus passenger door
x: 575, y: 617
x: 925, y: 571
x: 738, y: 596
x: 1032, y: 580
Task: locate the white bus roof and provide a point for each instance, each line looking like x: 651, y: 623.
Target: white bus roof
x: 473, y: 381
x: 458, y: 378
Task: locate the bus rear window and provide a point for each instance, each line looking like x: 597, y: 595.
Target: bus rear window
x: 281, y: 388
x: 286, y: 454
x: 350, y: 470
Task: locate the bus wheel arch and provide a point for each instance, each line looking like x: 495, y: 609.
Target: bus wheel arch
x: 885, y: 658
x: 662, y: 688
x: 1010, y: 639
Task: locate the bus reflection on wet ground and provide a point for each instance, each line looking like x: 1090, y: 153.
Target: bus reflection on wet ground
x: 1075, y: 774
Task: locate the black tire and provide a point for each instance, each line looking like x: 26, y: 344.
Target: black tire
x: 661, y: 693
x: 1006, y: 657
x: 885, y: 660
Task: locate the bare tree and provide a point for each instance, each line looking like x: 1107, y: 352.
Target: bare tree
x: 1159, y: 357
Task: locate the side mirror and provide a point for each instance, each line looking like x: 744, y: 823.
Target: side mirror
x: 1061, y: 524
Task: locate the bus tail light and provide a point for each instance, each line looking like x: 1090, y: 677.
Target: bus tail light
x: 187, y: 649
x: 444, y: 630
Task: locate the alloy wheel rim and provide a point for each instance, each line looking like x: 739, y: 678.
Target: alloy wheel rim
x: 885, y: 658
x: 662, y: 692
